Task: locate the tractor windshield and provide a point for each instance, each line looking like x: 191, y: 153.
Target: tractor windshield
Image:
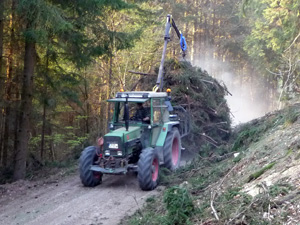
x: 138, y: 112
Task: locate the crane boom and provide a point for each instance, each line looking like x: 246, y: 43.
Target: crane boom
x: 170, y: 23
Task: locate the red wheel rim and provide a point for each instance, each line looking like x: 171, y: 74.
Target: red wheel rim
x: 154, y: 169
x: 175, y: 151
x: 97, y: 175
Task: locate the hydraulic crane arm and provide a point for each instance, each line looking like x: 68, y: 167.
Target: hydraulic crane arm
x: 170, y: 23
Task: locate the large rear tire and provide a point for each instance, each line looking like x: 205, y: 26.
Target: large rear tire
x: 148, y: 169
x: 172, y: 150
x: 88, y: 158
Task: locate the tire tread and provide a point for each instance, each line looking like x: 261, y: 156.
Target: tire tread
x: 85, y: 161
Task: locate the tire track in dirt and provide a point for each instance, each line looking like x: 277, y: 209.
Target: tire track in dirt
x: 68, y: 202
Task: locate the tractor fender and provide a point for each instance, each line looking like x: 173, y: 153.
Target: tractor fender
x: 163, y: 134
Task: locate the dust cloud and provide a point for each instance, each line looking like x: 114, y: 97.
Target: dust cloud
x: 248, y: 98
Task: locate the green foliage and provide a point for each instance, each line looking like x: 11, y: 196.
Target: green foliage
x: 233, y: 205
x: 246, y: 137
x: 150, y: 199
x: 260, y: 172
x: 179, y: 205
x: 253, y: 131
x: 206, y: 172
x: 232, y: 200
x: 199, y: 182
x: 152, y: 214
x: 231, y: 193
x: 291, y: 115
x: 165, y: 176
x: 280, y: 189
x: 273, y: 41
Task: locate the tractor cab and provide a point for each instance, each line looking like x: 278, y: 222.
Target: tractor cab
x: 126, y: 104
x: 135, y: 132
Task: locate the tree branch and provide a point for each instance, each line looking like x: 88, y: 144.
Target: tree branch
x: 140, y: 73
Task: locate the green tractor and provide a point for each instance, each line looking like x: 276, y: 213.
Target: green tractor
x: 139, y: 141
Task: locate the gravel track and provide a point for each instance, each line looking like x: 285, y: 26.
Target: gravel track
x: 68, y: 202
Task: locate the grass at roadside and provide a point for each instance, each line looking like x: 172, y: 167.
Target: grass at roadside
x: 207, y: 191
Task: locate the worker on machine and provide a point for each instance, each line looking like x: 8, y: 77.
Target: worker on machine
x: 141, y: 114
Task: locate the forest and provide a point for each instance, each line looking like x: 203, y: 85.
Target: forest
x: 61, y: 60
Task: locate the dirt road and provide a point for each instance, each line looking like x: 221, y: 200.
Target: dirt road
x: 67, y: 202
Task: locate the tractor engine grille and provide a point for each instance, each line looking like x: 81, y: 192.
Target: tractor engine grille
x: 113, y: 145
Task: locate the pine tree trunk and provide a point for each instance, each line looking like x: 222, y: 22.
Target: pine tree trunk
x: 17, y: 107
x: 43, y: 132
x: 1, y: 43
x: 109, y: 88
x: 6, y: 136
x: 52, y: 153
x: 1, y: 134
x: 8, y: 91
x: 26, y: 107
x: 1, y: 76
x: 45, y: 92
x: 86, y: 96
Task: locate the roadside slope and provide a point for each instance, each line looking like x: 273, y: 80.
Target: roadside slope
x: 260, y: 185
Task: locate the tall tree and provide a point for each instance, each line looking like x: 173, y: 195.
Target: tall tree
x: 26, y: 107
x: 61, y: 27
x: 274, y: 42
x: 1, y: 75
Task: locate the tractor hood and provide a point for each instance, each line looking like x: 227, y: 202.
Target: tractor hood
x: 132, y: 133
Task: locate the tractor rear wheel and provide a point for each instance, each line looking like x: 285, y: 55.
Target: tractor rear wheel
x: 172, y: 150
x: 148, y: 169
x: 88, y: 158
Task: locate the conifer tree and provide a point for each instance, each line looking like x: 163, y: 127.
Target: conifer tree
x: 61, y: 25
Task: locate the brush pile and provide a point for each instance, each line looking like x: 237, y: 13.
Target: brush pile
x: 204, y: 97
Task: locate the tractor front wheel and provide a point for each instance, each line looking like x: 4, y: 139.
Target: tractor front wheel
x: 148, y: 169
x: 172, y: 150
x: 88, y: 158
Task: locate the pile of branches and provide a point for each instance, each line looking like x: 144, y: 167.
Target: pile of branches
x: 203, y: 96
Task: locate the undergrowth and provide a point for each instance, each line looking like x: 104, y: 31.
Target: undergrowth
x: 258, y: 173
x: 189, y: 202
x: 194, y: 190
x: 253, y: 131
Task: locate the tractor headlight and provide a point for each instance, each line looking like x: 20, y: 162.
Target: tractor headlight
x: 111, y: 126
x: 107, y: 152
x: 119, y: 153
